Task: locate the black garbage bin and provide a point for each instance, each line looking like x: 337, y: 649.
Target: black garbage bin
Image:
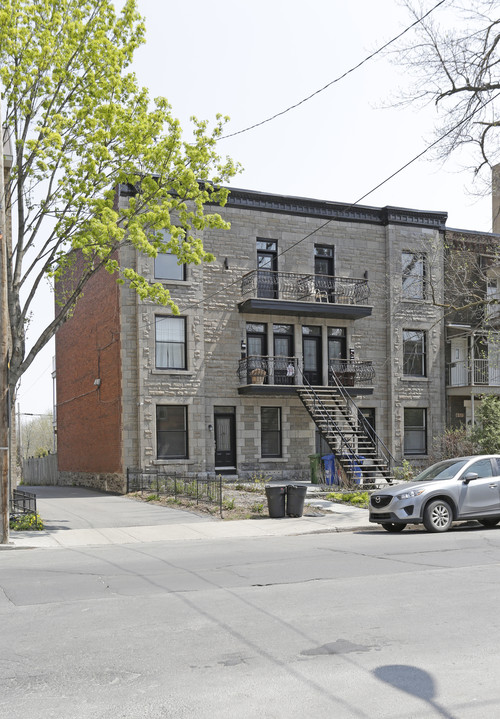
x: 276, y: 500
x: 295, y: 496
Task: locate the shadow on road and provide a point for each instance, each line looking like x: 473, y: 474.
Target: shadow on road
x: 414, y: 681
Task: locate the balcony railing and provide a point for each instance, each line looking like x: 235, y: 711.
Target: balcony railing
x: 258, y: 369
x: 304, y: 288
x: 351, y: 373
x: 468, y: 373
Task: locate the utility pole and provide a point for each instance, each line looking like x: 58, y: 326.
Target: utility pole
x: 4, y: 357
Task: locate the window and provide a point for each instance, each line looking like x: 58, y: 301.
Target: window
x: 170, y: 342
x: 270, y: 423
x: 413, y: 266
x: 492, y: 298
x: 267, y: 266
x: 324, y: 271
x: 482, y: 468
x: 171, y: 432
x: 414, y: 353
x: 166, y: 267
x: 415, y: 431
x: 284, y: 361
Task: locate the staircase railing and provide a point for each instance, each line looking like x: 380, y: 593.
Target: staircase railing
x: 346, y: 447
x: 380, y: 448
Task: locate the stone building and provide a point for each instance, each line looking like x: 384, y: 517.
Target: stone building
x: 317, y: 329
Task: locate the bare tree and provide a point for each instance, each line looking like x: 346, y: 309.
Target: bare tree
x: 458, y: 69
x: 37, y: 435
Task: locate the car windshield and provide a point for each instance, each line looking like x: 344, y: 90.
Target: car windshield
x: 442, y: 470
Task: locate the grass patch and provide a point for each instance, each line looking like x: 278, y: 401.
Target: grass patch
x: 356, y: 499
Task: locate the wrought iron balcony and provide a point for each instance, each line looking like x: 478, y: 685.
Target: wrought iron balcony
x: 283, y: 371
x: 351, y: 373
x: 291, y: 293
x: 258, y: 369
x: 468, y: 373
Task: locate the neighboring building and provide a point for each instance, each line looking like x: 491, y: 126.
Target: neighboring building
x: 472, y: 332
x: 472, y: 323
x: 304, y: 294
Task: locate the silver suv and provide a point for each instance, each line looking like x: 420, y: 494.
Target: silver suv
x: 460, y: 488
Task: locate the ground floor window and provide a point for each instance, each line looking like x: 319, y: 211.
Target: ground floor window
x: 415, y: 430
x: 270, y: 423
x: 171, y: 432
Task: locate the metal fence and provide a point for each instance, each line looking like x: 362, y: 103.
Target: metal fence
x: 22, y: 503
x: 207, y: 490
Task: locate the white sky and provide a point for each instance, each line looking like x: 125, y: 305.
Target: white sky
x: 250, y: 60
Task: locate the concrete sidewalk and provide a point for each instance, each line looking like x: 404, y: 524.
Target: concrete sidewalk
x: 93, y: 519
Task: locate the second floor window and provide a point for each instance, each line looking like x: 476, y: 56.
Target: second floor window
x: 166, y: 267
x: 414, y: 353
x: 413, y: 275
x: 170, y: 342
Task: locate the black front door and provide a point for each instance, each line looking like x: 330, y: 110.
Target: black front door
x: 311, y: 347
x: 324, y: 270
x: 284, y: 367
x: 267, y: 264
x: 257, y: 350
x: 336, y: 352
x: 225, y: 438
x: 369, y: 414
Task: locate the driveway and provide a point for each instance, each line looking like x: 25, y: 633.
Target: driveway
x: 79, y: 508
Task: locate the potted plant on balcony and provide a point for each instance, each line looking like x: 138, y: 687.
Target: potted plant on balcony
x: 258, y: 374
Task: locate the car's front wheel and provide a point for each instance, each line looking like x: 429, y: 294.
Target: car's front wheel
x: 438, y: 516
x: 489, y: 521
x: 393, y: 526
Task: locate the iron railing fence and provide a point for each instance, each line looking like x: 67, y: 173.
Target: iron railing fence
x: 261, y: 369
x: 351, y: 373
x: 22, y: 502
x: 305, y: 287
x: 467, y: 373
x: 207, y: 490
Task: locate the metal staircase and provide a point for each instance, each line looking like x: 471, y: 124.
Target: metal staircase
x: 357, y: 448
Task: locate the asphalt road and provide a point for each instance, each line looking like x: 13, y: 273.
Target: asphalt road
x: 363, y: 625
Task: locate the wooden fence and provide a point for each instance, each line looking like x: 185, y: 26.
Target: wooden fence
x: 40, y: 470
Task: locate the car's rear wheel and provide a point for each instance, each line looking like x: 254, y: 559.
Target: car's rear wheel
x: 489, y: 521
x: 393, y: 526
x: 438, y: 516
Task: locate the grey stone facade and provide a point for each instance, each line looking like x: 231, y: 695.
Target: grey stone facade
x: 366, y: 242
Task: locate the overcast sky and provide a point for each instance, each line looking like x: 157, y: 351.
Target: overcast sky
x: 253, y: 60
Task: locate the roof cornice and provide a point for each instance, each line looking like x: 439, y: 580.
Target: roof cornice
x: 344, y: 212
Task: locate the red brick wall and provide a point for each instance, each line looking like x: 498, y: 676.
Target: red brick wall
x: 88, y: 348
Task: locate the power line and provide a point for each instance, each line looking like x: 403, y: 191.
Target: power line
x: 353, y: 204
x: 22, y: 394
x: 337, y: 79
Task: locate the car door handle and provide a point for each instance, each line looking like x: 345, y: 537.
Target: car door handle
x: 493, y: 486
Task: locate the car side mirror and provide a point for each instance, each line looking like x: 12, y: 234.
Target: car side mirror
x: 469, y: 477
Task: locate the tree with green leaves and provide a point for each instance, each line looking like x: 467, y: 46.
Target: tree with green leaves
x: 487, y: 431
x: 76, y: 125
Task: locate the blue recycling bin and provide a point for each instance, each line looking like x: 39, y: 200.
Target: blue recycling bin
x: 331, y: 474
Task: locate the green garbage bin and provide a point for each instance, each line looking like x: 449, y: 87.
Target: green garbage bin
x: 276, y: 495
x: 315, y: 466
